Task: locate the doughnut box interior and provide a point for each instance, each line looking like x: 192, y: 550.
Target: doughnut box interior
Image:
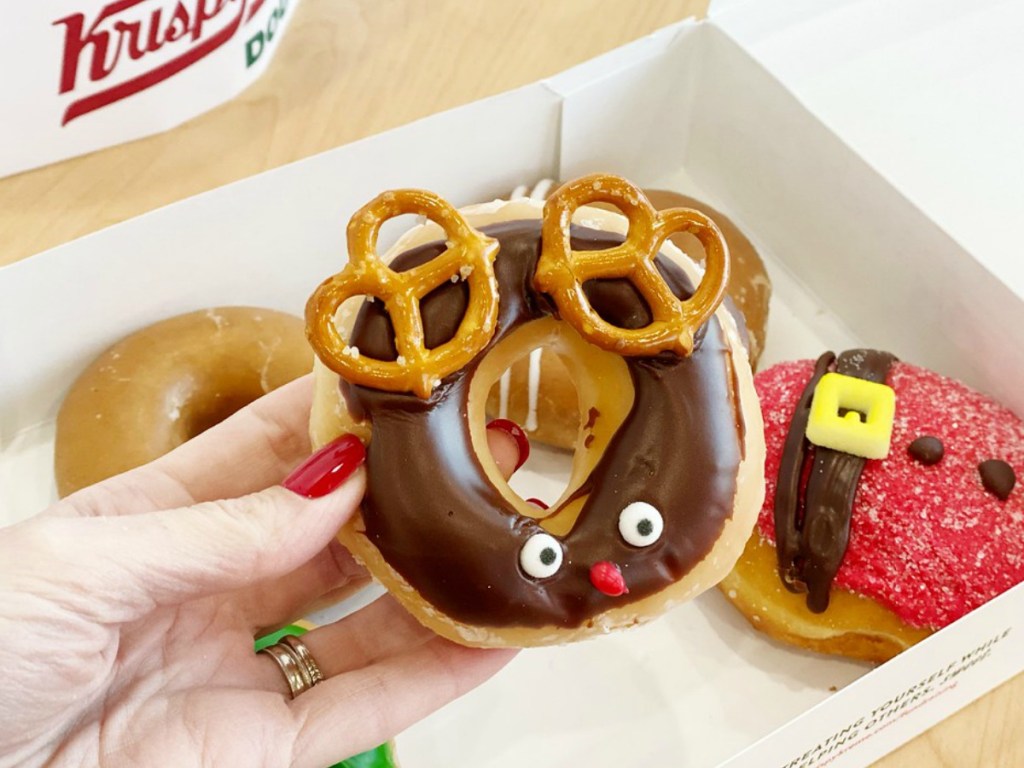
x: 839, y: 164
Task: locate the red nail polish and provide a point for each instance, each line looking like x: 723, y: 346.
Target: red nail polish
x: 328, y: 468
x: 516, y: 432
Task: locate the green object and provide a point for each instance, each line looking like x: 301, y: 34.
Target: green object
x: 273, y: 637
x: 381, y: 757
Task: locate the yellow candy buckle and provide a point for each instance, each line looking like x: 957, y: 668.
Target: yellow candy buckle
x: 848, y: 433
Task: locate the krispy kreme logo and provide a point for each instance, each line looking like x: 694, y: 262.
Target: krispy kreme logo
x: 128, y: 46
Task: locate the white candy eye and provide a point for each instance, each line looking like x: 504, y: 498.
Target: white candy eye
x: 541, y: 556
x: 640, y: 524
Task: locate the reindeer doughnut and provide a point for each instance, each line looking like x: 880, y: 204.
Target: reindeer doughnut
x: 667, y: 478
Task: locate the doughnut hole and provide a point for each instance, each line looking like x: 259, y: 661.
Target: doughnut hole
x: 208, y: 409
x: 518, y: 395
x: 533, y: 392
x: 604, y: 397
x: 538, y: 385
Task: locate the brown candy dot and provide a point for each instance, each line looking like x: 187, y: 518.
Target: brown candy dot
x: 998, y: 477
x: 927, y: 449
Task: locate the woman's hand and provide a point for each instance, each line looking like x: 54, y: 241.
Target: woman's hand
x: 128, y: 611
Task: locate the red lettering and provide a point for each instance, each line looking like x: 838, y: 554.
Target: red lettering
x: 180, y: 23
x: 97, y: 45
x: 159, y: 74
x: 132, y: 31
x: 154, y: 42
x: 204, y: 14
x: 77, y: 40
x: 254, y: 8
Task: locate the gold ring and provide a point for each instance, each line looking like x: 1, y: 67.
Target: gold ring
x: 305, y: 659
x: 301, y: 671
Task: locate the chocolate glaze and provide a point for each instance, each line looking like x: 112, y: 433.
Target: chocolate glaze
x: 998, y: 478
x: 813, y: 531
x: 438, y: 521
x: 927, y: 450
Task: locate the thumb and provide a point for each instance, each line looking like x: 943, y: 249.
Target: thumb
x: 132, y: 563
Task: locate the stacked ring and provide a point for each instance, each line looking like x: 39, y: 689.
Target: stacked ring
x: 296, y: 662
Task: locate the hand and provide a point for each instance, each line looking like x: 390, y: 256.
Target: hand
x: 128, y: 612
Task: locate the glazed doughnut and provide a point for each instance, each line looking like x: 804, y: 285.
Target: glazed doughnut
x: 538, y: 393
x: 886, y: 550
x: 166, y: 383
x: 651, y: 516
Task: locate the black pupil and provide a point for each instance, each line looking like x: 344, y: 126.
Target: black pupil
x: 645, y: 527
x: 547, y: 556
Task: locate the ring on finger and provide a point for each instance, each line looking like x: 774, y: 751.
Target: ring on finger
x: 300, y: 669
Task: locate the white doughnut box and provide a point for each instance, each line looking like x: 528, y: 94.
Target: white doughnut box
x: 870, y: 150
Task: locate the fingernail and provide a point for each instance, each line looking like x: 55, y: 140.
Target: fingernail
x: 516, y: 432
x: 328, y: 468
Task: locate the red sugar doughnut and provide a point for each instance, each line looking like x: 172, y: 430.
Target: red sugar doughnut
x: 928, y: 542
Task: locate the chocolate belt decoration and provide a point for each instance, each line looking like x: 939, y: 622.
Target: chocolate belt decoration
x: 812, y: 529
x: 440, y: 515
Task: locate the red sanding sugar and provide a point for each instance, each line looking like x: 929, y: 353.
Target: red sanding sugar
x: 928, y: 542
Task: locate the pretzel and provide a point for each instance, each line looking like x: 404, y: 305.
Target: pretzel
x: 562, y: 272
x: 469, y: 256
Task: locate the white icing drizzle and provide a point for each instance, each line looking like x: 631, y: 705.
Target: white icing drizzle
x: 541, y: 189
x: 533, y: 389
x: 539, y: 192
x: 504, y: 385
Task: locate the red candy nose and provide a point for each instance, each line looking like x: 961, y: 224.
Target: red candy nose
x: 607, y: 578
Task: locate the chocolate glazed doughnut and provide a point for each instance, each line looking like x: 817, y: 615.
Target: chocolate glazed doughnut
x: 681, y: 462
x: 440, y: 505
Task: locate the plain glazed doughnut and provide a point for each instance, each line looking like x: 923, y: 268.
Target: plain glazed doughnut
x: 652, y: 516
x: 885, y: 551
x: 166, y: 383
x: 537, y: 391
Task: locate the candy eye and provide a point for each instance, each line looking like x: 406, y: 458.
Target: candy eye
x: 541, y: 556
x: 640, y: 524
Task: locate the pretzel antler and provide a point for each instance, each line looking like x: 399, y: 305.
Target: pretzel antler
x: 562, y: 272
x: 469, y: 256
